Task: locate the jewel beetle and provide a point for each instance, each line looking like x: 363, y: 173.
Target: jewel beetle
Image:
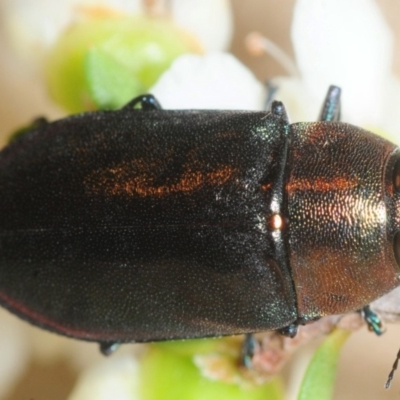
x: 146, y: 224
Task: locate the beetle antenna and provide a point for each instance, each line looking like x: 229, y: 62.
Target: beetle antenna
x: 390, y: 376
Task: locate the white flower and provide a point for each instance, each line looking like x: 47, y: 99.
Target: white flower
x: 114, y: 378
x: 212, y: 81
x: 351, y: 47
x: 14, y: 349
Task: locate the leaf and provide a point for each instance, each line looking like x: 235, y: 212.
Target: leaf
x: 110, y: 84
x: 168, y: 374
x: 91, y: 61
x: 319, y: 379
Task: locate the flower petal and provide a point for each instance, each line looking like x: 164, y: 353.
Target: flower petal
x: 14, y: 350
x: 216, y: 34
x: 115, y: 378
x: 213, y: 81
x: 33, y: 26
x: 347, y: 45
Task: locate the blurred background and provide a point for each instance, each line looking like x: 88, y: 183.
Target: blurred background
x: 366, y: 359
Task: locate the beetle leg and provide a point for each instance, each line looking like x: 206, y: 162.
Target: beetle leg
x: 289, y: 331
x: 146, y: 101
x: 373, y: 321
x: 108, y: 348
x: 249, y: 347
x: 331, y: 107
x: 279, y: 110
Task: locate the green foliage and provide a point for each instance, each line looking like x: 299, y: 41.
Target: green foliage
x: 319, y: 379
x: 168, y: 372
x: 102, y: 63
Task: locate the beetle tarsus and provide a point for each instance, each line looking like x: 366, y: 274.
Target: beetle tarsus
x: 108, y: 348
x: 249, y: 348
x: 279, y: 110
x: 373, y: 321
x: 146, y: 101
x: 289, y: 331
x: 331, y: 107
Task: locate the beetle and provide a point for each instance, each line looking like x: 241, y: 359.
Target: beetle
x: 141, y: 225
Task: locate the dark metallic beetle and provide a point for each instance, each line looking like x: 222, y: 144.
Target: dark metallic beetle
x: 144, y: 225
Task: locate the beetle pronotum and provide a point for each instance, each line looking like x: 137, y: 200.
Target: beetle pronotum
x: 146, y: 224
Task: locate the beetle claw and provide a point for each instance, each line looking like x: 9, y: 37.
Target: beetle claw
x: 108, y: 348
x: 146, y: 102
x: 289, y: 331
